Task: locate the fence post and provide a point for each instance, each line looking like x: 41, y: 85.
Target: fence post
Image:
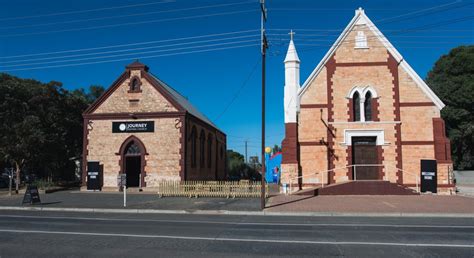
x: 322, y: 180
x: 355, y: 172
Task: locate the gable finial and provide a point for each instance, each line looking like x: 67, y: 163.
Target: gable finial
x: 360, y: 10
x: 291, y: 33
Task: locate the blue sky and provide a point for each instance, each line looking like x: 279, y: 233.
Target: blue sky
x: 220, y: 74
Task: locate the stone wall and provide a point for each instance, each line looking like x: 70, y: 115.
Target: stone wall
x: 163, y: 150
x: 123, y: 101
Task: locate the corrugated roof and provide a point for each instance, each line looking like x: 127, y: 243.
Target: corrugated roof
x: 183, y: 101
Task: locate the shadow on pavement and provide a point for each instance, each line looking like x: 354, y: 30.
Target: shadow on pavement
x: 288, y: 202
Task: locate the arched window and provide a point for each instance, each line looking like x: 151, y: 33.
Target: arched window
x: 193, y: 139
x: 132, y: 149
x: 134, y: 85
x: 202, y: 139
x: 209, y: 150
x: 356, y: 106
x: 368, y: 106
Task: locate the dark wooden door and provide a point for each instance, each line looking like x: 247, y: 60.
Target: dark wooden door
x: 133, y: 168
x: 364, y: 151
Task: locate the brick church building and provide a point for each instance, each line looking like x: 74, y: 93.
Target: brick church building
x: 145, y: 129
x: 362, y: 105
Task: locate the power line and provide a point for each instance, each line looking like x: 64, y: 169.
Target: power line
x: 125, y: 16
x: 130, y: 44
x: 131, y: 54
x: 125, y: 50
x: 128, y: 23
x: 414, y: 29
x: 237, y: 93
x: 86, y: 11
x: 126, y: 59
x: 433, y: 9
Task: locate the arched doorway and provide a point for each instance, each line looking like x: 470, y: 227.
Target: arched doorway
x: 132, y: 161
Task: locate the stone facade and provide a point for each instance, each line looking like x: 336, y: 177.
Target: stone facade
x: 405, y: 118
x: 166, y: 153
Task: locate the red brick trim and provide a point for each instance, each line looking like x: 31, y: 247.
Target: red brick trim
x: 380, y: 158
x: 290, y: 144
x: 85, y: 143
x: 375, y: 109
x: 350, y: 64
x: 441, y: 142
x: 417, y: 104
x: 330, y: 70
x: 313, y: 143
x: 313, y: 105
x: 350, y: 110
x: 392, y: 65
x: 108, y: 116
x: 417, y: 142
x: 142, y: 155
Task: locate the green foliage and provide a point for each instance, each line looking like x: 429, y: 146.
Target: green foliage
x: 452, y: 79
x: 41, y: 125
x: 238, y: 169
x: 42, y: 184
x: 276, y: 149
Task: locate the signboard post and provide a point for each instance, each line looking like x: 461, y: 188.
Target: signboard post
x: 122, y: 182
x: 428, y: 175
x: 31, y: 195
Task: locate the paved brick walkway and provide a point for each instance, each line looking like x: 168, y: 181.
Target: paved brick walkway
x: 76, y: 199
x: 373, y: 204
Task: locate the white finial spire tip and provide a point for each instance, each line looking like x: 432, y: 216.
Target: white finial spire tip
x: 360, y: 10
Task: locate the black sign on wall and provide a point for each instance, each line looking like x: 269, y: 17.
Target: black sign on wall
x: 429, y: 182
x: 94, y: 176
x: 133, y: 127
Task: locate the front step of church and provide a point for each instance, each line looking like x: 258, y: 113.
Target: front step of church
x: 366, y: 187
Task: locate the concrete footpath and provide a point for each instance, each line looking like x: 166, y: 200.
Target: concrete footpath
x: 391, y: 206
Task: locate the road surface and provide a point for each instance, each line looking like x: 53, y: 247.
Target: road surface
x: 59, y: 234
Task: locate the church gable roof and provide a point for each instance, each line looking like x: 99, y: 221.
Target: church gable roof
x: 361, y: 18
x: 179, y: 102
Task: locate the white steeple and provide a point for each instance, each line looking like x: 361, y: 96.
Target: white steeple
x: 292, y: 82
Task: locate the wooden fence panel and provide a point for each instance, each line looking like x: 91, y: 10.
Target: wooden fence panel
x: 242, y: 189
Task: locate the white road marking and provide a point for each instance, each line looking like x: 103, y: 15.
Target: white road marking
x: 243, y: 223
x: 236, y: 239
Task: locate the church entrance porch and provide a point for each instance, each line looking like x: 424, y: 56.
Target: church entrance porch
x: 133, y: 170
x: 364, y: 152
x: 132, y: 163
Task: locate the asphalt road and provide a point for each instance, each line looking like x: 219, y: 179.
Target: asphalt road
x: 56, y: 234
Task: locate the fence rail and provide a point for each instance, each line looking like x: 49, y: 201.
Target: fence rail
x: 388, y: 170
x: 227, y: 189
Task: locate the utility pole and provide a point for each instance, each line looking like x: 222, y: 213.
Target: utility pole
x: 246, y: 160
x: 263, y: 51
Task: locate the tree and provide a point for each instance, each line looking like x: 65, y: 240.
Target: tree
x: 452, y: 79
x: 276, y: 149
x: 238, y: 169
x: 41, y: 126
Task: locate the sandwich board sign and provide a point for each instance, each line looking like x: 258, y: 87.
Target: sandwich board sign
x: 31, y: 195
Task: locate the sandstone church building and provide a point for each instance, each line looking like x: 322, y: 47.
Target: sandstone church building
x: 145, y: 129
x: 362, y: 104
